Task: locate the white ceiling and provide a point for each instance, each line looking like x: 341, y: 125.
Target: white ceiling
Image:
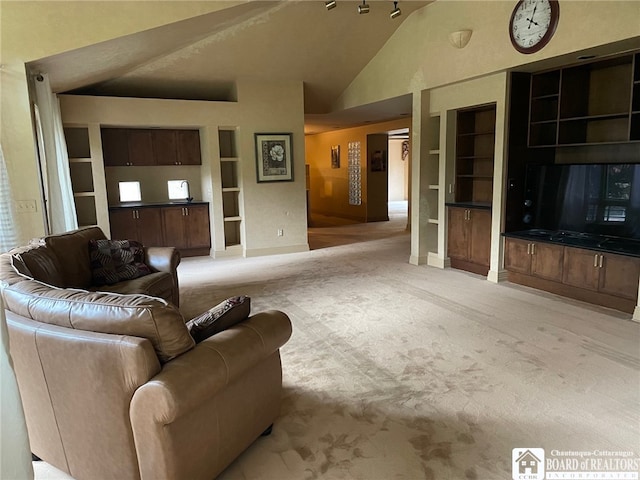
x: 200, y: 58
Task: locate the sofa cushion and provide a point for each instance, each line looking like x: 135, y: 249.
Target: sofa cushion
x: 39, y: 262
x: 73, y: 255
x: 113, y: 261
x: 157, y: 284
x: 135, y: 315
x: 224, y: 315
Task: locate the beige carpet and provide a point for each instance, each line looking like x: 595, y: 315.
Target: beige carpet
x: 403, y: 372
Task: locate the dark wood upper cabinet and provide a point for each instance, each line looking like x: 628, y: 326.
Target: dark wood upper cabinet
x: 140, y: 147
x: 115, y: 147
x: 188, y: 147
x: 164, y: 147
x: 148, y: 147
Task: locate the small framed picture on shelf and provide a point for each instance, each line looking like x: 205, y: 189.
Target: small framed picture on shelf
x: 274, y: 159
x: 335, y: 156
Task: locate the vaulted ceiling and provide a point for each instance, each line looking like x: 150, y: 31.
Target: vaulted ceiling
x: 202, y: 57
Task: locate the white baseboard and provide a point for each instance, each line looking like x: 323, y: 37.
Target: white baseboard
x: 418, y: 259
x: 260, y: 252
x: 433, y: 260
x: 497, y: 276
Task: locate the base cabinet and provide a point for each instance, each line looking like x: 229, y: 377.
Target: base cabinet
x: 137, y: 224
x: 603, y: 278
x: 187, y: 228
x: 469, y: 239
x: 541, y: 260
x: 183, y: 227
x: 606, y: 273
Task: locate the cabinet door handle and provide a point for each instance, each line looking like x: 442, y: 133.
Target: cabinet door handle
x: 533, y: 249
x: 595, y: 260
x: 600, y: 262
x: 528, y: 249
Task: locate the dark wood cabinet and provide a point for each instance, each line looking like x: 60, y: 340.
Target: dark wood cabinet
x: 148, y: 147
x: 187, y: 228
x: 164, y: 147
x: 188, y: 147
x: 469, y: 239
x: 602, y: 272
x: 184, y: 227
x: 115, y: 147
x: 142, y: 224
x: 619, y: 275
x: 541, y: 260
x: 140, y: 148
x: 597, y: 277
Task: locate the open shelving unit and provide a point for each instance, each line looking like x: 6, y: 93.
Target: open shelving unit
x: 433, y: 177
x: 231, y: 187
x: 595, y: 103
x: 475, y: 140
x: 81, y: 170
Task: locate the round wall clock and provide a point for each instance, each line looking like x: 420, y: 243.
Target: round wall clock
x: 533, y: 23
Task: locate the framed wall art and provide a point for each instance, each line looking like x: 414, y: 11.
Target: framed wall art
x: 335, y: 156
x: 274, y: 158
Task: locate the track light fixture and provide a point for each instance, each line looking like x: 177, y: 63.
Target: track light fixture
x: 364, y: 8
x: 329, y: 4
x: 396, y: 12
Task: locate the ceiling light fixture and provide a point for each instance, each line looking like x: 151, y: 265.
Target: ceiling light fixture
x: 330, y: 4
x: 364, y: 8
x: 396, y: 12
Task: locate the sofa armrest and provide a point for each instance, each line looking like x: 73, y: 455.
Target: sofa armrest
x: 207, y: 405
x: 165, y: 259
x: 162, y: 259
x: 197, y: 376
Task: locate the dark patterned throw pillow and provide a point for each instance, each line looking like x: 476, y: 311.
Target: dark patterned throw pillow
x: 224, y: 315
x: 115, y: 260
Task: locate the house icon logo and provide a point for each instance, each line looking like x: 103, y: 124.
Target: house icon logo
x: 527, y: 463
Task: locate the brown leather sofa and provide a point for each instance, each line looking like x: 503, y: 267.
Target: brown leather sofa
x: 63, y: 261
x: 113, y: 386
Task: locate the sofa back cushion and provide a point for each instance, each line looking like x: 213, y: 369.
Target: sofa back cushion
x: 35, y: 261
x: 134, y: 315
x: 72, y: 252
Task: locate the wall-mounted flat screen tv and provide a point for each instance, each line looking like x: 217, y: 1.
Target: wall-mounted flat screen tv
x: 600, y: 199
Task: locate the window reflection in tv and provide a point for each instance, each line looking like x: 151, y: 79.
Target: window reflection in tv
x: 602, y: 199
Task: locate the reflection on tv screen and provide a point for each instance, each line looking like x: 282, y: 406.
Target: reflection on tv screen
x: 600, y: 199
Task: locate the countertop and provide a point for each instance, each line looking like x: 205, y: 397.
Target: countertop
x: 477, y: 205
x: 589, y: 241
x: 168, y: 203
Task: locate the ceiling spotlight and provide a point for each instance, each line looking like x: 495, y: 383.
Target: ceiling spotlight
x: 396, y: 12
x: 330, y: 4
x: 364, y: 8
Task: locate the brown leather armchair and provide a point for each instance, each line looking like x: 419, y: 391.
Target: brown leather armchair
x: 113, y: 386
